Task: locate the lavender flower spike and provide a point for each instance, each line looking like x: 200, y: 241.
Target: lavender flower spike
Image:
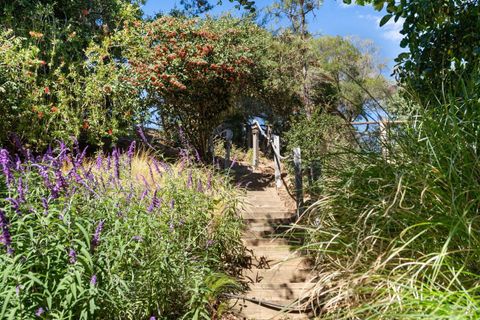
x: 93, y: 280
x: 73, y: 256
x: 45, y: 206
x: 154, y: 203
x: 20, y: 190
x: 96, y: 236
x: 99, y: 161
x: 5, y: 237
x: 131, y: 150
x: 116, y: 163
x: 39, y: 312
x: 5, y: 161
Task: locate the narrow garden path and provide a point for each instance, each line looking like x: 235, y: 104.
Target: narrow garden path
x: 278, y: 275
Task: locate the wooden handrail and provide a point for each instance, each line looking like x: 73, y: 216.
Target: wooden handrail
x: 378, y: 122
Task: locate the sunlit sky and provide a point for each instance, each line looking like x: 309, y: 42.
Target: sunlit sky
x: 334, y: 18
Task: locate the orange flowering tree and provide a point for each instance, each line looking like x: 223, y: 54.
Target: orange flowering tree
x: 195, y: 71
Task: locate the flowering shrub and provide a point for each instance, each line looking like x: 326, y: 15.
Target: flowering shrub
x: 196, y: 71
x: 124, y: 236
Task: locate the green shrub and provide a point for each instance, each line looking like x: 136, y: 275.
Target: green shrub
x: 121, y: 237
x: 318, y: 137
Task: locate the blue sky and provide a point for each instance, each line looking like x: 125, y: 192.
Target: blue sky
x: 334, y: 18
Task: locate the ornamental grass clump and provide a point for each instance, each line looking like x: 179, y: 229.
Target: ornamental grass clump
x: 120, y: 236
x: 396, y: 235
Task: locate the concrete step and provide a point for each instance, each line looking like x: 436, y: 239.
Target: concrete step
x: 270, y: 242
x: 280, y: 292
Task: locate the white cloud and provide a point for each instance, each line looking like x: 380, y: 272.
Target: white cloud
x: 390, y: 30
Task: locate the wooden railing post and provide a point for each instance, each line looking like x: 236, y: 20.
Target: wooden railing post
x: 255, y: 142
x: 276, y: 159
x: 228, y: 145
x: 297, y: 161
x: 383, y: 137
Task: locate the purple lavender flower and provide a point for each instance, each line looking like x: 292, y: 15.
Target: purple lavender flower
x: 76, y: 146
x: 144, y: 194
x: 63, y: 148
x: 18, y: 163
x: 15, y: 204
x: 137, y: 238
x: 39, y: 312
x: 154, y: 203
x: 157, y: 168
x: 17, y: 289
x: 43, y: 171
x: 96, y: 235
x: 79, y: 159
x: 72, y: 256
x: 60, y: 182
x: 152, y: 318
x: 48, y: 156
x: 172, y: 226
x: 5, y: 162
x: 197, y: 156
x: 199, y: 186
x: 5, y: 237
x: 131, y: 151
x: 99, y: 161
x: 172, y: 203
x: 116, y: 163
x: 20, y: 190
x: 93, y: 280
x: 109, y: 163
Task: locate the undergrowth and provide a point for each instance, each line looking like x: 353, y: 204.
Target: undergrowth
x: 122, y: 236
x: 397, y: 235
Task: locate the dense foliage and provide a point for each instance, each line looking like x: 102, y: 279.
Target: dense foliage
x: 46, y: 100
x: 61, y: 71
x: 124, y: 236
x: 195, y: 71
x: 441, y: 38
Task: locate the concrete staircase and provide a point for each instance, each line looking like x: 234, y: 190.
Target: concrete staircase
x: 277, y: 274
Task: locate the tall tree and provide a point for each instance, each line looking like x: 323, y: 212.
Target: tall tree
x: 297, y: 12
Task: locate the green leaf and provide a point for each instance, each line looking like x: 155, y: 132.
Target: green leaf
x: 385, y: 19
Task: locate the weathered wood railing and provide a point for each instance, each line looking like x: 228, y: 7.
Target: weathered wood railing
x: 273, y: 142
